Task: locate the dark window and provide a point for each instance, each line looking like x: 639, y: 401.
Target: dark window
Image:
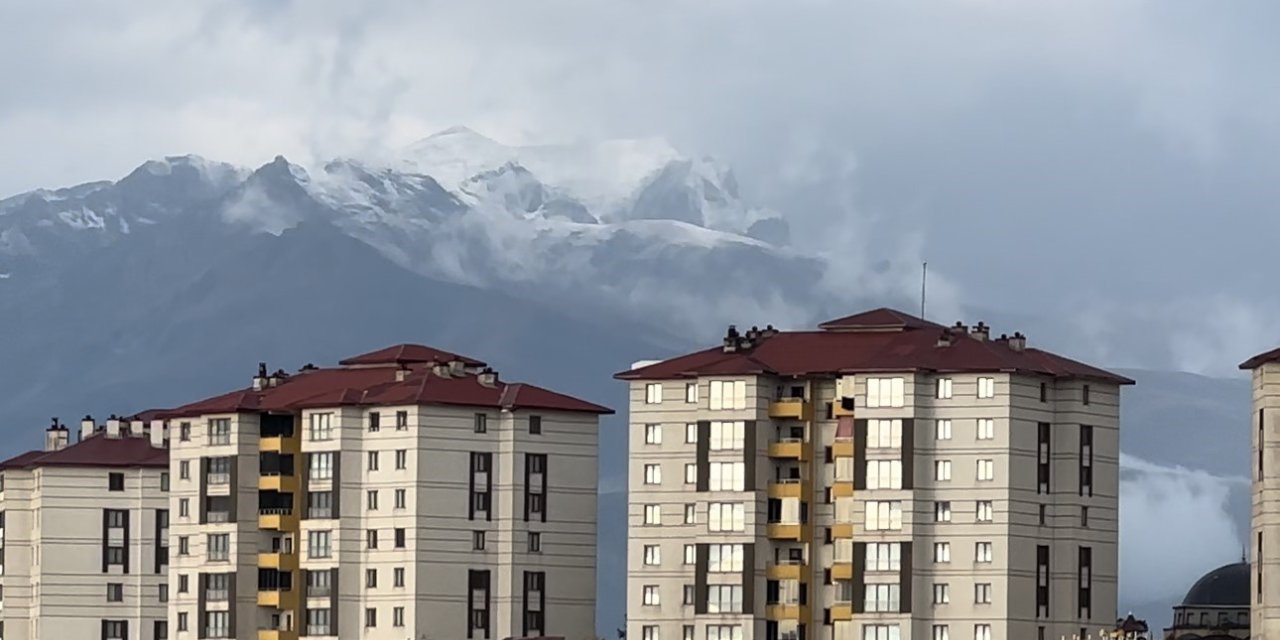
x: 535, y: 542
x: 115, y: 629
x: 375, y: 421
x: 1042, y: 581
x: 115, y: 482
x: 535, y: 491
x: 184, y: 431
x: 115, y: 592
x: 1261, y: 442
x: 535, y: 425
x: 399, y: 538
x: 477, y: 603
x: 1085, y: 580
x: 1044, y: 466
x: 482, y: 423
x: 370, y: 617
x: 477, y: 540
x: 182, y: 583
x: 1084, y: 517
x: 402, y: 420
x: 116, y: 518
x: 1043, y: 515
x: 1084, y: 395
x: 1044, y: 392
x: 481, y: 486
x: 534, y: 603
x: 371, y: 538
x: 162, y: 630
x: 1086, y: 460
x: 1257, y: 556
x: 830, y: 455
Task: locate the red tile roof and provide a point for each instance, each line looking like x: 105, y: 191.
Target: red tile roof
x: 372, y: 380
x: 882, y: 340
x: 96, y: 451
x: 1261, y: 359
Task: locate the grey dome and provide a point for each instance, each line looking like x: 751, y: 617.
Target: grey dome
x: 1226, y: 586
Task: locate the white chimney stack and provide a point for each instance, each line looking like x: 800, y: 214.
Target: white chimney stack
x: 159, y: 433
x: 87, y: 427
x: 113, y: 427
x: 56, y: 437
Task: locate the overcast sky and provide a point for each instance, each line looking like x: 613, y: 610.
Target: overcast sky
x: 1108, y: 164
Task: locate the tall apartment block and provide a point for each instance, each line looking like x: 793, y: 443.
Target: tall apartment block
x: 84, y: 536
x: 1264, y: 564
x: 880, y: 478
x: 406, y: 493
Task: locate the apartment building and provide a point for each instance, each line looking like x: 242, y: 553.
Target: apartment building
x: 405, y: 493
x: 84, y: 536
x: 1264, y: 565
x: 880, y: 478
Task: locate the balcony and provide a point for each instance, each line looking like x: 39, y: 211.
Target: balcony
x: 277, y: 634
x: 842, y: 531
x: 842, y: 408
x: 789, y: 449
x: 279, y: 444
x: 842, y: 448
x: 278, y: 482
x: 785, y: 531
x: 277, y: 598
x: 786, y: 612
x: 842, y: 612
x: 789, y: 488
x: 277, y: 519
x: 279, y: 561
x: 785, y: 571
x: 791, y: 409
x: 842, y: 571
x: 842, y: 489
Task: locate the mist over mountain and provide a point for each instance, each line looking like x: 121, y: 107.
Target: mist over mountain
x: 556, y: 264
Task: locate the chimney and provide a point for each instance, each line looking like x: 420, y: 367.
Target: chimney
x: 944, y: 339
x: 276, y: 378
x: 959, y: 328
x: 441, y: 370
x: 402, y: 373
x: 981, y: 331
x: 113, y: 427
x: 1018, y: 342
x: 488, y: 377
x: 260, y: 380
x: 731, y: 338
x: 56, y: 437
x: 87, y: 427
x: 768, y: 332
x: 159, y: 434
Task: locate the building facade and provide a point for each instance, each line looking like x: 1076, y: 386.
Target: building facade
x: 84, y: 536
x: 1265, y: 529
x: 406, y: 493
x: 882, y: 478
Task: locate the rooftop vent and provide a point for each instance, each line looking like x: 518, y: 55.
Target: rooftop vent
x: 945, y: 338
x: 981, y: 331
x: 1018, y: 342
x: 734, y: 341
x: 260, y: 380
x: 56, y: 436
x: 488, y: 377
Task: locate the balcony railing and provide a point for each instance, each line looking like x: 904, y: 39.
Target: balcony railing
x: 214, y: 478
x: 217, y: 595
x: 217, y: 516
x: 275, y: 511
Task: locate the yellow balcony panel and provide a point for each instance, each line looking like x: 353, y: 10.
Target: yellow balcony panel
x: 842, y: 490
x: 842, y: 612
x: 842, y: 531
x: 277, y: 599
x: 287, y: 484
x: 842, y: 571
x: 791, y: 409
x: 789, y: 449
x: 782, y: 531
x: 281, y: 561
x: 789, y: 488
x: 839, y: 410
x: 280, y: 444
x: 785, y: 571
x: 842, y: 448
x: 278, y: 520
x: 786, y: 612
x: 277, y: 634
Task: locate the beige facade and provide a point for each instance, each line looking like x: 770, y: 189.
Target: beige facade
x: 84, y: 538
x: 909, y: 504
x: 1265, y: 560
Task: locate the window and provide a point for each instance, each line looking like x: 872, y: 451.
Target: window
x: 724, y: 598
x: 219, y: 546
x: 1086, y: 460
x: 115, y: 592
x: 535, y: 425
x: 117, y: 629
x: 217, y: 624
x: 477, y: 541
x: 184, y: 546
x: 653, y: 434
x: 881, y: 598
x: 944, y: 388
x: 653, y: 393
x: 652, y: 474
x: 319, y: 504
x: 691, y: 392
x: 321, y: 427
x: 371, y: 538
x: 220, y: 431
x: 941, y: 632
x: 985, y: 511
x: 728, y: 476
x: 162, y: 593
x: 398, y: 537
x: 982, y: 593
x: 942, y: 511
x: 884, y: 556
x: 651, y: 595
x: 161, y: 631
x: 690, y: 514
x: 1044, y: 392
x: 321, y: 467
x: 1044, y: 469
x: 724, y: 558
x: 652, y: 554
x: 941, y: 470
x: 370, y: 617
x: 184, y: 432
x: 982, y: 552
x: 1084, y: 517
x: 115, y: 482
x: 691, y: 433
x: 884, y: 434
x: 941, y: 594
x: 649, y: 632
x: 318, y: 544
x: 689, y: 595
x: 884, y: 474
x: 942, y: 430
x: 373, y: 460
x: 535, y: 542
x: 374, y: 421
x: 397, y: 577
x: 728, y: 436
x: 726, y: 516
x: 653, y: 514
x: 318, y: 623
x: 986, y: 470
x: 371, y: 578
x: 690, y: 473
x: 401, y: 498
x: 942, y: 552
x: 883, y: 515
x: 1044, y: 514
x: 728, y: 394
x: 884, y: 392
x: 164, y: 480
x: 371, y: 500
x: 986, y: 429
x: 184, y: 507
x: 402, y: 459
x: 1084, y: 394
x: 397, y: 617
x: 1042, y: 581
x: 1084, y: 579
x: 182, y: 621
x: 986, y: 387
x: 184, y: 470
x: 402, y: 421
x: 690, y: 554
x: 481, y: 423
x: 725, y: 632
x: 983, y: 632
x: 183, y: 583
x: 881, y: 632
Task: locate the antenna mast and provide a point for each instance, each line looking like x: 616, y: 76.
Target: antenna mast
x: 924, y: 279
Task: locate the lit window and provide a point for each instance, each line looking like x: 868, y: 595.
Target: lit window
x: 728, y: 436
x: 884, y: 556
x: 884, y: 434
x: 986, y: 470
x: 941, y: 594
x: 985, y: 511
x: 651, y: 597
x: 652, y: 554
x: 691, y: 433
x: 942, y: 470
x: 726, y: 516
x: 728, y: 394
x: 653, y: 393
x: 982, y: 552
x: 884, y: 392
x: 982, y: 593
x: 942, y: 512
x: 942, y: 552
x: 652, y: 474
x: 944, y: 388
x: 942, y: 430
x: 883, y: 515
x: 728, y: 476
x: 653, y: 434
x: 652, y: 514
x: 884, y: 474
x: 691, y: 392
x: 986, y: 429
x: 986, y: 387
